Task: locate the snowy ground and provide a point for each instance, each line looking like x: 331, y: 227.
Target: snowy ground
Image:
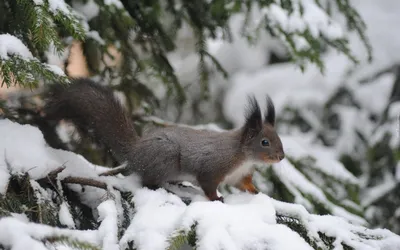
x: 244, y: 221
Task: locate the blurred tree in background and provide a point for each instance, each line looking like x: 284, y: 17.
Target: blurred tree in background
x: 145, y: 32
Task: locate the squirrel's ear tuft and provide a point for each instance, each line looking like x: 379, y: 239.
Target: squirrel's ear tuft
x: 253, y: 124
x: 270, y: 112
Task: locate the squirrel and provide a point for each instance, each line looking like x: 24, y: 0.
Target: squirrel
x: 171, y: 154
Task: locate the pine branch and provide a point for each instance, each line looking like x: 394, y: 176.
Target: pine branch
x: 27, y: 72
x: 355, y: 22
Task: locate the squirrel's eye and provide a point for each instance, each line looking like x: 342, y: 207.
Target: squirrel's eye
x: 265, y: 143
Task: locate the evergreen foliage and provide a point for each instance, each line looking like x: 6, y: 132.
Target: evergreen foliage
x: 145, y: 33
x: 369, y: 150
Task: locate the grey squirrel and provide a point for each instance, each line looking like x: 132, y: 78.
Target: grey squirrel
x: 171, y: 154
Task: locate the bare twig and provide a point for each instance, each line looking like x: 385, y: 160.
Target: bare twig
x: 84, y: 181
x: 115, y: 171
x: 52, y: 176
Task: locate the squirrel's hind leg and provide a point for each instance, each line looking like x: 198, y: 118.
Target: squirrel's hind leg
x: 210, y: 189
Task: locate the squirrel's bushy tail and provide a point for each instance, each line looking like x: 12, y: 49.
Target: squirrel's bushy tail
x: 93, y: 108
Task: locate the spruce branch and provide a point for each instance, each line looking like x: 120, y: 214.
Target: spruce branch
x: 355, y: 22
x: 27, y: 72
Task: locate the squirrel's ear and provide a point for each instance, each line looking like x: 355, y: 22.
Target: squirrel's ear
x: 253, y: 123
x: 270, y: 112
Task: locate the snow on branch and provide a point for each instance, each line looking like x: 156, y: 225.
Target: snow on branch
x: 10, y: 45
x: 17, y: 64
x: 304, y: 25
x: 155, y: 219
x: 63, y: 13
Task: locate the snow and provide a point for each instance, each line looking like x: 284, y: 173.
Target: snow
x: 95, y: 36
x: 288, y: 86
x: 379, y: 90
x: 55, y: 6
x: 343, y: 231
x: 56, y: 58
x: 11, y: 45
x: 398, y: 171
x: 116, y: 3
x: 4, y: 177
x: 21, y: 217
x: 108, y: 230
x: 380, y: 190
x: 89, y: 9
x: 55, y: 69
x: 392, y: 126
x: 13, y: 136
x: 244, y: 221
x: 58, y: 5
x: 314, y: 18
x: 65, y: 216
x: 299, y: 185
x: 20, y: 235
x: 157, y: 214
x: 352, y: 119
x: 324, y: 157
x: 37, y: 159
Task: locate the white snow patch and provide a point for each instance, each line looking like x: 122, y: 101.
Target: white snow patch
x: 24, y: 150
x: 58, y: 5
x: 11, y: 45
x: 301, y: 147
x: 108, y: 230
x: 398, y: 171
x: 378, y: 191
x: 116, y: 3
x: 157, y: 215
x: 378, y: 91
x: 65, y: 216
x: 56, y: 58
x: 392, y: 126
x: 55, y: 6
x: 95, y: 36
x: 19, y: 235
x: 21, y: 217
x: 244, y: 222
x: 89, y: 9
x: 315, y: 19
x: 55, y: 69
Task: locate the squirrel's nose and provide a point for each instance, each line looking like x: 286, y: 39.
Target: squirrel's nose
x: 281, y: 156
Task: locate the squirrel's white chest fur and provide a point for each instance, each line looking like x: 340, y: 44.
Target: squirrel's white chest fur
x: 236, y: 175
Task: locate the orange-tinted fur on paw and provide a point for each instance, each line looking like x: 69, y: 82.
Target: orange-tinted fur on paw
x: 246, y: 184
